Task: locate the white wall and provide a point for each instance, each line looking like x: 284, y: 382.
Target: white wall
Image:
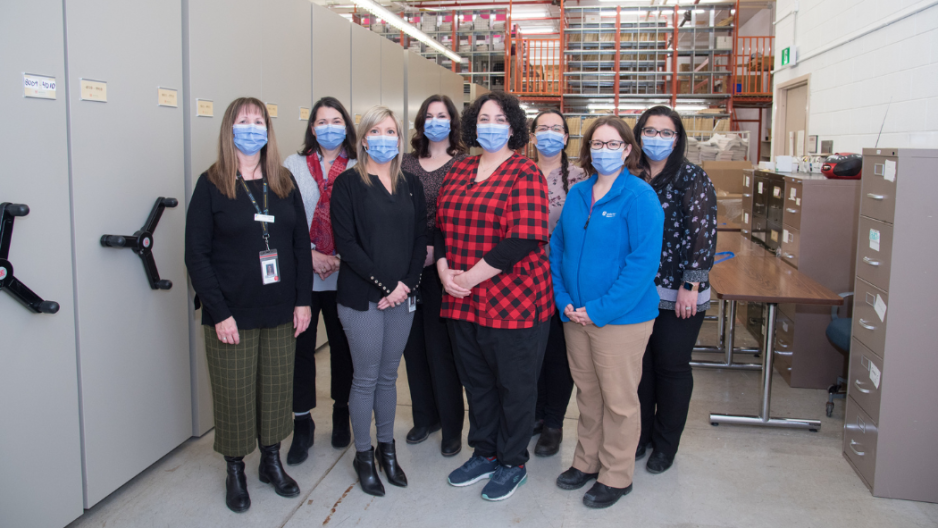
x: 852, y: 85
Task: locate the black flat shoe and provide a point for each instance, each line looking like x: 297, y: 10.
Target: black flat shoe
x: 573, y: 478
x: 271, y: 472
x: 641, y: 451
x: 419, y: 434
x: 364, y: 465
x: 341, y: 428
x: 549, y: 442
x: 451, y: 447
x: 386, y: 458
x: 603, y: 496
x: 538, y: 427
x: 303, y: 429
x: 236, y: 486
x: 659, y: 462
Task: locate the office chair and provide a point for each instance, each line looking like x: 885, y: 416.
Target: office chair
x: 838, y: 332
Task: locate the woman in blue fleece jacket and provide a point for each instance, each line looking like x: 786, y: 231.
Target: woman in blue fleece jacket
x: 604, y: 254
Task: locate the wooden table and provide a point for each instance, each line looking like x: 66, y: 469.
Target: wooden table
x: 724, y: 224
x: 761, y: 277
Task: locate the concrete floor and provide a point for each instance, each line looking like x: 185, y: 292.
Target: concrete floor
x: 723, y: 477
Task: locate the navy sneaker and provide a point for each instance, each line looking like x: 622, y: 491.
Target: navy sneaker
x: 504, y: 482
x: 474, y: 470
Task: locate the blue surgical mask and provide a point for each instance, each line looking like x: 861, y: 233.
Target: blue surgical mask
x: 549, y: 143
x: 330, y: 136
x: 436, y: 129
x: 657, y: 148
x: 382, y: 149
x: 606, y: 161
x: 250, y: 139
x: 492, y: 137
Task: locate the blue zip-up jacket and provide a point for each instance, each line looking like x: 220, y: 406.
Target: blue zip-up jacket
x: 607, y: 262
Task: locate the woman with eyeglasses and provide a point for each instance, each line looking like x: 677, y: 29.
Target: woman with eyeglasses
x: 604, y: 254
x: 690, y: 237
x: 490, y: 241
x: 554, y: 384
x: 435, y: 389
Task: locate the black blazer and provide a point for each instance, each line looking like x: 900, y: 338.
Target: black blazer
x: 381, y: 238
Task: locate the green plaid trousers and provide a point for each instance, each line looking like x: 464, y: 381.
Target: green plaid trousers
x: 252, y: 388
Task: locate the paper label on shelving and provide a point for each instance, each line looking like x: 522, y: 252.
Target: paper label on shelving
x: 880, y: 307
x: 304, y: 113
x: 785, y: 235
x: 793, y: 192
x: 745, y: 218
x: 797, y: 201
x: 38, y: 86
x: 774, y: 236
x: 784, y: 326
x: 204, y: 108
x: 777, y: 192
x: 272, y: 109
x: 874, y: 239
x: 745, y: 181
x: 875, y: 375
x: 760, y: 188
x: 166, y: 97
x: 93, y: 90
x: 889, y: 171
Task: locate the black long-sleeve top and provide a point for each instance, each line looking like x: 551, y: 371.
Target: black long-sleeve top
x: 223, y: 245
x: 380, y: 237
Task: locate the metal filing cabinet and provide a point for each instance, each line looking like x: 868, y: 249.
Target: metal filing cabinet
x: 808, y: 221
x: 890, y: 422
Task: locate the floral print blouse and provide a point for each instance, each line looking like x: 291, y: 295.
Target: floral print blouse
x: 690, y: 235
x: 556, y: 196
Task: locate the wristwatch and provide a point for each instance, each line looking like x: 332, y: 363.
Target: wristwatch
x: 690, y: 287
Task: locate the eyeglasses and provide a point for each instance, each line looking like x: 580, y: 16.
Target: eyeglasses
x: 544, y: 128
x: 613, y: 145
x: 652, y: 132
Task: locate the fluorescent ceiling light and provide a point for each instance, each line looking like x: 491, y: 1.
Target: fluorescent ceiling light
x: 690, y: 108
x: 396, y: 21
x: 537, y: 30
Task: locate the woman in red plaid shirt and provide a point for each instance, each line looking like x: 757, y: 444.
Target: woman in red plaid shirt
x: 490, y: 245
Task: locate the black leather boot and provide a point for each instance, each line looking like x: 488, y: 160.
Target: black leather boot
x: 341, y: 428
x: 603, y: 496
x: 364, y: 465
x: 303, y: 429
x: 271, y: 472
x: 236, y: 486
x: 549, y: 442
x: 387, y: 460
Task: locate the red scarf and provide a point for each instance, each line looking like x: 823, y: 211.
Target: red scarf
x: 320, y: 231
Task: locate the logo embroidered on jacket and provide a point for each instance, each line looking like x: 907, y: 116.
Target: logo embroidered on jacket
x: 608, y: 215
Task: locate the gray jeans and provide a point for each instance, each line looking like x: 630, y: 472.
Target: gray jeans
x: 376, y: 339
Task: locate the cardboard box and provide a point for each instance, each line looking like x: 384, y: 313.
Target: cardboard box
x: 727, y: 176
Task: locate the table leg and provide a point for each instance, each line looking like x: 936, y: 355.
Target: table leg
x: 728, y: 347
x: 726, y: 329
x: 764, y: 418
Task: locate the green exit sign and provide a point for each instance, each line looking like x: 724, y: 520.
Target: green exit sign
x: 786, y: 56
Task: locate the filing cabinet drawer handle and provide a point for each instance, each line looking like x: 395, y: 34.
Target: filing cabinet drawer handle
x: 870, y: 261
x: 792, y: 211
x: 876, y: 196
x: 8, y: 280
x: 789, y: 256
x: 860, y: 387
x: 858, y: 453
x: 747, y: 195
x: 866, y: 325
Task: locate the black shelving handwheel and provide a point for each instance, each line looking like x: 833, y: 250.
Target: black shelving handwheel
x: 8, y: 281
x: 141, y: 243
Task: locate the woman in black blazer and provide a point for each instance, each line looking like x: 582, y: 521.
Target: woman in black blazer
x: 379, y: 215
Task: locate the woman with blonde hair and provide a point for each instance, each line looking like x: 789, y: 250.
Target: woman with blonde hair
x: 247, y: 252
x: 379, y: 215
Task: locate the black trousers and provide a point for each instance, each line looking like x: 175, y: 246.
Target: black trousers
x: 555, y: 384
x: 499, y: 369
x: 304, y: 371
x: 435, y: 389
x: 667, y: 380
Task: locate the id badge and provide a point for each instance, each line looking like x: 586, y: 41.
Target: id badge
x: 412, y: 304
x: 270, y: 267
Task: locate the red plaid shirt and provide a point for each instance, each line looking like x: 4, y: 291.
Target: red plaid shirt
x: 474, y: 218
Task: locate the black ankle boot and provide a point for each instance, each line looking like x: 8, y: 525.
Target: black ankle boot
x: 303, y: 429
x: 386, y: 456
x: 236, y: 486
x: 364, y: 465
x: 271, y: 472
x: 341, y: 429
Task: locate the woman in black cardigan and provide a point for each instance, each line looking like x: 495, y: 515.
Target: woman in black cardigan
x: 379, y: 215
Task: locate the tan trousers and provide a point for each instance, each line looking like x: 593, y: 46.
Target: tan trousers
x: 606, y: 364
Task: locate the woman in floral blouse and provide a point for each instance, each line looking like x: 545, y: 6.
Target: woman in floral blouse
x: 690, y: 231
